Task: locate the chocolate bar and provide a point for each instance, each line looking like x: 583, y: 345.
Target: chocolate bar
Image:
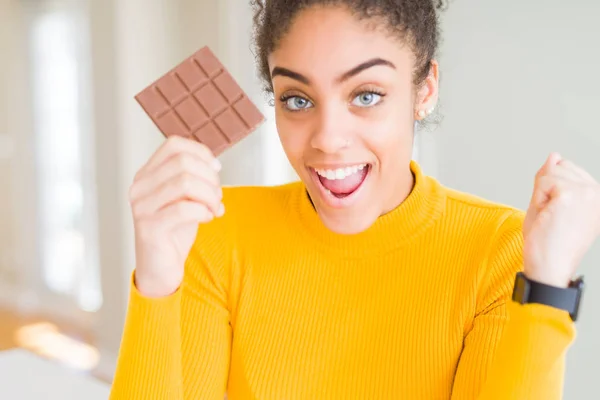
x: 199, y: 99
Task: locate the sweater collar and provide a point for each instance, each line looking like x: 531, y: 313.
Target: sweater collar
x: 418, y: 212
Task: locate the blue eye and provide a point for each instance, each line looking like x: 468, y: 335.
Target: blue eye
x: 296, y: 103
x: 367, y: 99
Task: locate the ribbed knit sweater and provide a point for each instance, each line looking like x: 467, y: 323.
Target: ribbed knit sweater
x: 276, y: 306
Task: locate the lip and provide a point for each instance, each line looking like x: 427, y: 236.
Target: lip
x: 335, y: 202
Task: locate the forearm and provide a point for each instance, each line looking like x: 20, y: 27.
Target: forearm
x: 529, y: 361
x: 149, y: 365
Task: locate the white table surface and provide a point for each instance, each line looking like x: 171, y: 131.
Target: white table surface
x: 26, y: 376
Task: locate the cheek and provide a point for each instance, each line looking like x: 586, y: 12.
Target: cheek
x: 293, y: 136
x: 389, y: 135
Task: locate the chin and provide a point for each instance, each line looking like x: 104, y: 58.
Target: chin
x: 352, y: 224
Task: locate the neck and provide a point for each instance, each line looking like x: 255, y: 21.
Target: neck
x: 401, y: 192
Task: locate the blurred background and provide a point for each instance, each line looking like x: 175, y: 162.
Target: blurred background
x: 518, y: 81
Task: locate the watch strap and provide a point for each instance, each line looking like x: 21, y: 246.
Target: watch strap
x: 567, y: 299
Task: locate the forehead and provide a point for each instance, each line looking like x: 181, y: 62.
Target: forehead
x: 323, y: 42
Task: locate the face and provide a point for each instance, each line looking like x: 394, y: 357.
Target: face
x: 345, y: 108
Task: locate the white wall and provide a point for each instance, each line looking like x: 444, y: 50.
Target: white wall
x: 18, y: 248
x: 519, y: 79
x: 6, y: 151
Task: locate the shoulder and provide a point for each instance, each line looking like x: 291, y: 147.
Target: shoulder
x: 492, y: 231
x: 496, y: 229
x: 481, y: 213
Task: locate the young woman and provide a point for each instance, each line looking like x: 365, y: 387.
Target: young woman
x: 367, y: 279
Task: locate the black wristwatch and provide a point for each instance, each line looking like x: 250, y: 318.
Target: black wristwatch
x: 568, y: 299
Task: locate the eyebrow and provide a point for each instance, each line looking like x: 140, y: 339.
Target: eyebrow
x: 344, y: 77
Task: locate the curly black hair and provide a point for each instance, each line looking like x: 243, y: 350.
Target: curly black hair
x: 415, y: 22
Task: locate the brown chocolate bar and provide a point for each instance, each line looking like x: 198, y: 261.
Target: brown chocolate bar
x: 199, y: 99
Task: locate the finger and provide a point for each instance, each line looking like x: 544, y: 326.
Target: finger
x: 583, y: 175
x: 552, y: 189
x: 174, y: 145
x: 180, y: 215
x: 561, y: 193
x: 550, y: 164
x: 562, y: 171
x: 544, y: 190
x: 537, y: 197
x: 182, y: 163
x: 552, y: 160
x: 184, y: 213
x: 183, y: 187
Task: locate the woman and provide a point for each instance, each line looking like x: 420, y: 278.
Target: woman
x: 367, y: 279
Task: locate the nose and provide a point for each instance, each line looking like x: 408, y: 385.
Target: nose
x: 331, y: 133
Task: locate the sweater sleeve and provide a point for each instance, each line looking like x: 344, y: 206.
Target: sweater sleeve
x: 512, y: 351
x: 178, y: 347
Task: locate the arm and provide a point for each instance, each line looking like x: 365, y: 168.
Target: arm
x: 511, y: 351
x: 177, y: 347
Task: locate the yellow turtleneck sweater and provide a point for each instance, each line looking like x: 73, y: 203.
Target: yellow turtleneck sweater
x: 275, y: 306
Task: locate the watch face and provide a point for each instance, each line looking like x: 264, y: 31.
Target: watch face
x: 520, y: 292
x: 577, y: 285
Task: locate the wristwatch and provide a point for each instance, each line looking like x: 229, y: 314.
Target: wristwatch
x: 527, y: 291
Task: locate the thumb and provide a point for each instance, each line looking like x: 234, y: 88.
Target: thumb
x: 552, y: 160
x: 540, y: 195
x: 555, y: 158
x: 541, y: 191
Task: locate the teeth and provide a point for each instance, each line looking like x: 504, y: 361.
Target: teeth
x: 340, y: 173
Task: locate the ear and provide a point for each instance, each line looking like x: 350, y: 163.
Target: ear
x: 427, y: 93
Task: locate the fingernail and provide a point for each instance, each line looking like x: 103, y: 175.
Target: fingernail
x: 221, y: 210
x: 216, y: 165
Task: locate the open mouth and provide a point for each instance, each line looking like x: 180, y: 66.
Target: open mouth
x: 342, y: 182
